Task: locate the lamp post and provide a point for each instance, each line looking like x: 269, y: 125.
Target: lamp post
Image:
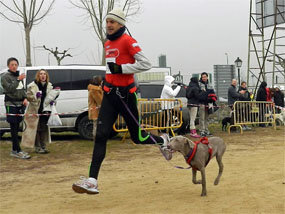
x: 227, y: 58
x: 238, y: 64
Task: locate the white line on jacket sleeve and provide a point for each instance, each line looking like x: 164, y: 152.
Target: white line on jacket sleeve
x: 142, y: 64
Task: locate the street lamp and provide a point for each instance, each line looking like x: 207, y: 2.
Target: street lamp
x: 227, y: 58
x: 238, y: 64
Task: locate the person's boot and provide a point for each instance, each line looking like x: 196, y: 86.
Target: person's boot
x: 194, y: 134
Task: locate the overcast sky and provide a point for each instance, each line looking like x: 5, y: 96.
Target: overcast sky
x: 194, y: 34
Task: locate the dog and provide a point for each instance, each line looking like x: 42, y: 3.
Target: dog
x: 201, y: 157
x: 225, y: 122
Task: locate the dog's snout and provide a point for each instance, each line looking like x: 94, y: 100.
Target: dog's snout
x: 168, y: 146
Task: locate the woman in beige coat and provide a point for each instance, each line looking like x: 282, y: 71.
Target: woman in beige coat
x: 37, y: 132
x: 95, y: 96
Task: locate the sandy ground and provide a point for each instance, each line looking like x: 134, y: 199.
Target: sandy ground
x: 136, y: 179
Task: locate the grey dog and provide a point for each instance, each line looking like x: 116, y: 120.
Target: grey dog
x: 184, y: 145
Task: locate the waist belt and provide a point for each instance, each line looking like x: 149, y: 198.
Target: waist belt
x: 129, y: 88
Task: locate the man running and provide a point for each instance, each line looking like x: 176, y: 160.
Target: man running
x: 124, y: 58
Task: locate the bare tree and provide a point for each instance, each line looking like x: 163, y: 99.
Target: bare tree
x: 28, y: 13
x: 57, y: 54
x: 96, y: 11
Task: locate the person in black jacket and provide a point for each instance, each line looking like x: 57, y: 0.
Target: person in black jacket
x: 246, y: 95
x: 245, y: 108
x: 278, y: 100
x: 261, y: 96
x: 261, y: 93
x: 233, y: 96
x: 15, y: 103
x: 192, y: 94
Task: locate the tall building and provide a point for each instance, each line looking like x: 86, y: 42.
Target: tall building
x: 162, y: 61
x: 223, y: 75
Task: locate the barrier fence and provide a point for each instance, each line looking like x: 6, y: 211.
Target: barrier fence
x: 155, y: 114
x: 253, y: 113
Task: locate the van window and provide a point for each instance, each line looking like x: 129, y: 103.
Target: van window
x: 31, y: 74
x: 81, y: 78
x: 58, y: 77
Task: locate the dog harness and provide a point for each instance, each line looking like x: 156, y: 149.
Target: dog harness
x: 193, y: 151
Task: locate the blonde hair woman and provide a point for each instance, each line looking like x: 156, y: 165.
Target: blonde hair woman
x: 37, y: 132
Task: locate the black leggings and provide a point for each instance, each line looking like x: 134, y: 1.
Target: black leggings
x: 111, y: 106
x: 14, y: 129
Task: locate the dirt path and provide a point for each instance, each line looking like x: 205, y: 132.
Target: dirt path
x: 136, y: 179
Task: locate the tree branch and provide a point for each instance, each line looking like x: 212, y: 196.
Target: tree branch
x: 11, y: 10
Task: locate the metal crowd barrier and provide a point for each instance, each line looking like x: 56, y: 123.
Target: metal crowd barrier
x: 253, y: 113
x: 155, y: 114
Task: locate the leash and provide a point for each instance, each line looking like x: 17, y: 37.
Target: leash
x: 132, y: 115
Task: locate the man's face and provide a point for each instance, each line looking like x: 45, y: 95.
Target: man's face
x: 204, y: 78
x: 112, y: 26
x: 13, y: 66
x: 234, y: 83
x: 243, y: 85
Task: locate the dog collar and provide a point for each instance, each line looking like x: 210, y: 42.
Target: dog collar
x: 191, y: 154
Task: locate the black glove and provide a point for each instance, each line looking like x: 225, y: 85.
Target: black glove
x: 115, y: 68
x: 178, y: 83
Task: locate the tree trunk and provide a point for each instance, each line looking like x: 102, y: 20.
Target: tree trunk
x: 28, y: 46
x: 103, y: 57
x: 103, y: 61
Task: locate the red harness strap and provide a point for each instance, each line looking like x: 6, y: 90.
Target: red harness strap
x: 191, y: 155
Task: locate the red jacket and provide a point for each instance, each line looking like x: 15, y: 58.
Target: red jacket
x: 121, y: 51
x: 268, y: 95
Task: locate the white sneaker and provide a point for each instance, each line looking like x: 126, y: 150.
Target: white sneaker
x: 163, y: 148
x: 21, y: 155
x: 166, y: 140
x: 86, y: 185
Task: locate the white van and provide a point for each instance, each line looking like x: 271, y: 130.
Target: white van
x: 72, y: 101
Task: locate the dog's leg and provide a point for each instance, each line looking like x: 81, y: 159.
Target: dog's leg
x: 194, y: 173
x: 221, y: 168
x: 204, y: 189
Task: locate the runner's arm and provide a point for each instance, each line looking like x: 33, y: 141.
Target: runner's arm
x: 142, y: 64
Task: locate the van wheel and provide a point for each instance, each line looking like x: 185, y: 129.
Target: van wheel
x: 278, y: 122
x: 85, y: 128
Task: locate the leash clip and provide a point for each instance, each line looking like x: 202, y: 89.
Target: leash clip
x: 119, y: 93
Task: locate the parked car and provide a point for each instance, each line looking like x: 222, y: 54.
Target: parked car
x: 72, y: 101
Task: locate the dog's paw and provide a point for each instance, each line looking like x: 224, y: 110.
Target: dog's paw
x: 197, y: 182
x: 216, y: 182
x: 204, y: 194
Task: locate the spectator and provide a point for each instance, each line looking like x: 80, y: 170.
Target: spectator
x: 246, y: 95
x: 262, y: 95
x: 245, y: 109
x: 39, y: 93
x: 262, y: 92
x: 234, y: 96
x: 278, y: 100
x: 95, y: 96
x: 192, y: 94
x: 168, y: 93
x: 15, y: 103
x: 204, y: 101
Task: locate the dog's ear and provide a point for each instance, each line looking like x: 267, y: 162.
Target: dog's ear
x: 189, y: 143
